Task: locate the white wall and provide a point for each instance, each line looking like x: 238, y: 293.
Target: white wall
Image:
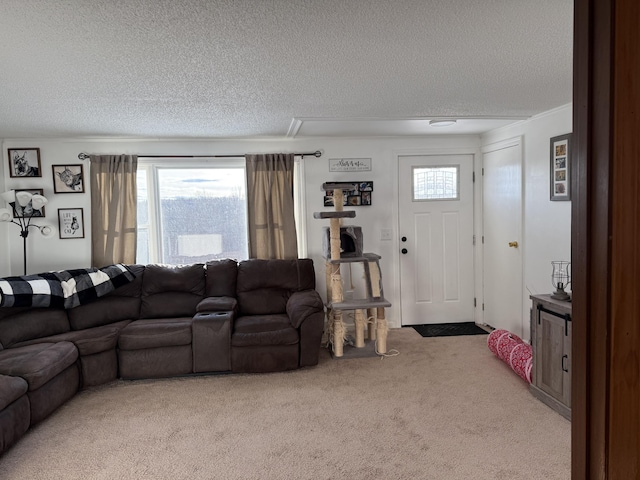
x: 547, y: 224
x: 53, y: 254
x: 5, y: 269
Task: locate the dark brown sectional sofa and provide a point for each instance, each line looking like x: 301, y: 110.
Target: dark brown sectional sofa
x: 222, y: 316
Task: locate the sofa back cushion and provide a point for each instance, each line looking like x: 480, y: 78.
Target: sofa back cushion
x: 121, y: 304
x: 172, y: 290
x: 221, y: 277
x: 20, y: 324
x: 264, y: 286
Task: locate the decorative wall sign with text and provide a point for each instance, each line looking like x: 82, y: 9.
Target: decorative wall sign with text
x: 71, y: 222
x: 349, y: 164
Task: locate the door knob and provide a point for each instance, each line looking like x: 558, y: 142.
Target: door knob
x: 404, y: 251
x: 404, y: 239
x: 513, y: 244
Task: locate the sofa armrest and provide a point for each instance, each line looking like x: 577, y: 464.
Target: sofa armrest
x: 302, y: 305
x: 211, y: 341
x: 218, y: 304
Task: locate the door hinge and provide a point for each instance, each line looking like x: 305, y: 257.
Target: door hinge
x: 483, y: 171
x: 475, y: 304
x: 474, y: 176
x: 483, y: 307
x: 474, y: 239
x: 483, y: 239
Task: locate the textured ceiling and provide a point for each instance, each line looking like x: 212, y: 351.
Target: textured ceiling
x: 265, y: 68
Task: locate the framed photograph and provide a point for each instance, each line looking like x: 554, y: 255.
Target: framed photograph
x: 68, y: 179
x: 560, y: 185
x: 28, y: 211
x: 360, y: 195
x: 354, y: 200
x: 24, y: 162
x: 71, y: 223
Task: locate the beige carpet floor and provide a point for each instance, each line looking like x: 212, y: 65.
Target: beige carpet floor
x: 445, y: 408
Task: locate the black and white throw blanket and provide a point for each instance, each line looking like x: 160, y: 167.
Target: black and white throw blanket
x: 63, y: 289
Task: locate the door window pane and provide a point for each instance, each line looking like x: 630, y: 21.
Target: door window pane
x: 436, y: 183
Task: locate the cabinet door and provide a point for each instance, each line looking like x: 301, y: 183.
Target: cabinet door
x: 552, y: 362
x: 567, y: 368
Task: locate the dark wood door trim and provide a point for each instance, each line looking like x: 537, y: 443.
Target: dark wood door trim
x: 605, y: 239
x: 624, y: 362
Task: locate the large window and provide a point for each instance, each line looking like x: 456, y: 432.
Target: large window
x: 191, y: 213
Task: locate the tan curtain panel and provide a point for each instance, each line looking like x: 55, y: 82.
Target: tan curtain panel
x: 113, y: 209
x: 272, y: 228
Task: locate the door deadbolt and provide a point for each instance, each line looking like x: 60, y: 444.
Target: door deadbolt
x: 404, y: 239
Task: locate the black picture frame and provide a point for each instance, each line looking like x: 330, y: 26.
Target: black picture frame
x: 359, y: 196
x: 560, y: 151
x: 24, y: 162
x: 68, y: 178
x: 70, y: 223
x: 20, y: 211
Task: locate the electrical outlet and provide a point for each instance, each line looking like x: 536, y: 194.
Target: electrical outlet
x: 386, y: 234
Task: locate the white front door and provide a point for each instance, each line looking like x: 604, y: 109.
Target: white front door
x: 436, y: 238
x: 502, y: 231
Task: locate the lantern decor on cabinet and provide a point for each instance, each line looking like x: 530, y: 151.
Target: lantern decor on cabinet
x: 560, y: 279
x: 24, y: 207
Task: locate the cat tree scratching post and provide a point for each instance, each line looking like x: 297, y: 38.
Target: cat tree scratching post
x: 337, y: 295
x: 344, y: 245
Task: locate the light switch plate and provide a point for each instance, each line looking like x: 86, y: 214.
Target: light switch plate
x: 386, y: 234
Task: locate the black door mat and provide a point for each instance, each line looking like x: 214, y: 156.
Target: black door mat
x: 449, y: 329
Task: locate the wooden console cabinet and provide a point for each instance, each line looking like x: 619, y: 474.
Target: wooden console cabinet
x: 551, y: 342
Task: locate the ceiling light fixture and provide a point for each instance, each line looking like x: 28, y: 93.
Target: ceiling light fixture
x: 442, y: 123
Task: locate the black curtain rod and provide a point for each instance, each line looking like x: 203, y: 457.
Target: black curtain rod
x: 317, y: 154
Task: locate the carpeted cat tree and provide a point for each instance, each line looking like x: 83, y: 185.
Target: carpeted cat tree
x: 343, y: 245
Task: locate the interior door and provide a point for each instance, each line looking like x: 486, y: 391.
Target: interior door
x: 436, y: 238
x: 502, y: 239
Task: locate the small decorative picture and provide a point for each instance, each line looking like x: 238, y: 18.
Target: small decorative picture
x: 27, y: 210
x: 71, y: 223
x: 68, y: 179
x: 354, y: 200
x: 24, y: 162
x: 560, y: 164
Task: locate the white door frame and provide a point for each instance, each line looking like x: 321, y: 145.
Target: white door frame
x: 516, y: 141
x: 477, y: 196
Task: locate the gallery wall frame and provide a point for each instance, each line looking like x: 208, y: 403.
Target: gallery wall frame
x: 68, y: 178
x: 560, y: 171
x: 71, y: 223
x: 360, y: 195
x: 24, y: 162
x: 27, y: 210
